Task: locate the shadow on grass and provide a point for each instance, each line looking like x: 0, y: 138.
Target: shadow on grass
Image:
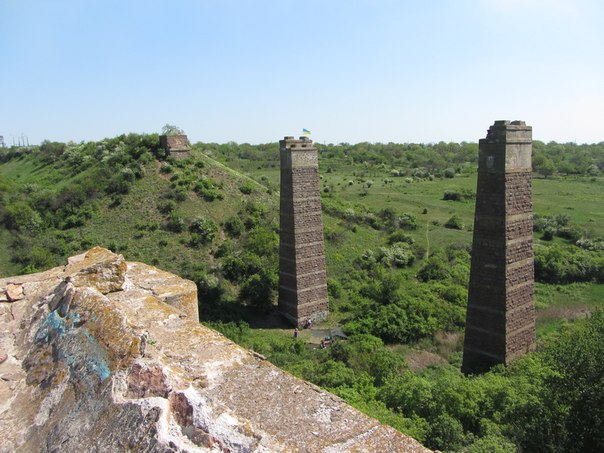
x: 235, y: 311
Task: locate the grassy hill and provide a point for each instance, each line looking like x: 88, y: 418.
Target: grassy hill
x: 398, y: 229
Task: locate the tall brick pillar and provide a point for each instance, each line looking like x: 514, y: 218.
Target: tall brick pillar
x: 500, y: 321
x: 302, y: 280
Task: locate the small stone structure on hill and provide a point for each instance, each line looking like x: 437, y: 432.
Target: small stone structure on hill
x: 106, y: 355
x: 500, y: 322
x: 176, y: 146
x: 302, y: 278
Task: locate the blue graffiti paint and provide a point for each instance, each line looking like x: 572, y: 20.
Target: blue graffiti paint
x: 76, y: 346
x: 52, y: 324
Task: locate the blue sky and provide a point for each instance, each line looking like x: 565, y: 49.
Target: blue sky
x: 254, y: 71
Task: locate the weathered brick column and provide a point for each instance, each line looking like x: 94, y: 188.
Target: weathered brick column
x: 302, y: 280
x: 500, y: 322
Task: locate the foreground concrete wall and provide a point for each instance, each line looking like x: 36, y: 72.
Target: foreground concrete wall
x: 106, y: 355
x: 500, y: 324
x: 302, y: 278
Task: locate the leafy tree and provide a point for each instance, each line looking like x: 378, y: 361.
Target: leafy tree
x: 19, y: 216
x: 259, y: 290
x: 170, y: 129
x: 543, y: 165
x: 577, y: 388
x: 262, y: 241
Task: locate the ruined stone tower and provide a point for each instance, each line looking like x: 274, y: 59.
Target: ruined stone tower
x: 500, y: 322
x: 302, y: 280
x: 176, y: 146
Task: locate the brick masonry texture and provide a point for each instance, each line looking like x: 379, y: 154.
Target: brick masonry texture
x: 176, y: 146
x: 500, y: 322
x: 520, y: 228
x: 302, y: 278
x: 518, y: 193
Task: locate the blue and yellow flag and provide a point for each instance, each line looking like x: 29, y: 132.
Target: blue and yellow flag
x: 305, y: 131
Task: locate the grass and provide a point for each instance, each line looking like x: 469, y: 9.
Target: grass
x: 116, y: 227
x: 581, y: 198
x: 559, y: 304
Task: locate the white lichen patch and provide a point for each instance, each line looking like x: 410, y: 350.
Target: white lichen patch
x: 52, y: 399
x: 323, y: 414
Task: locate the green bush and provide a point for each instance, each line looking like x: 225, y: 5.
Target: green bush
x: 208, y: 189
x: 240, y: 265
x: 246, y: 188
x: 262, y: 241
x: 436, y: 267
x: 449, y: 173
x: 209, y: 287
x: 234, y: 226
x: 399, y: 254
x: 19, y: 216
x: 203, y: 231
x: 568, y: 264
x: 166, y: 207
x: 400, y: 236
x: 455, y: 223
x: 459, y: 195
x: 407, y: 222
x: 395, y: 323
x: 175, y: 224
x: 180, y: 193
x: 259, y: 290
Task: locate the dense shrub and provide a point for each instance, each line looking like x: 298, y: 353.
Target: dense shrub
x: 246, y: 188
x: 208, y: 189
x: 259, y: 290
x: 568, y: 264
x: 455, y: 223
x: 240, y: 265
x: 203, y: 231
x: 557, y: 225
x: 400, y: 236
x: 209, y: 287
x: 366, y: 353
x: 262, y: 241
x: 459, y: 195
x: 175, y: 223
x: 407, y: 222
x: 449, y: 173
x: 234, y: 226
x: 19, y: 216
x: 399, y: 254
x: 402, y: 322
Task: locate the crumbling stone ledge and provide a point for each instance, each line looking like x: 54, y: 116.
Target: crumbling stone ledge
x: 106, y: 355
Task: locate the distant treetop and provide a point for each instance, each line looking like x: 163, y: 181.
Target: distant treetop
x: 170, y: 129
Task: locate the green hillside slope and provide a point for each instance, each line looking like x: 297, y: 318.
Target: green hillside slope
x: 398, y: 228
